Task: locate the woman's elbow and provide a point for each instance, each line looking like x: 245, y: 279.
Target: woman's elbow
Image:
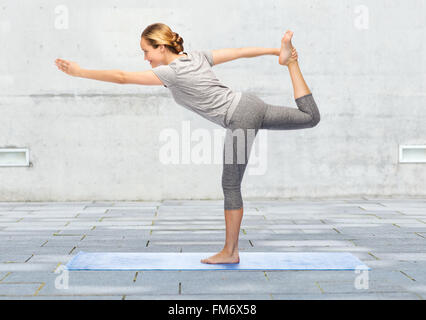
x: 121, y: 77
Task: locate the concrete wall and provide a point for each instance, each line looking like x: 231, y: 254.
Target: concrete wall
x: 363, y: 60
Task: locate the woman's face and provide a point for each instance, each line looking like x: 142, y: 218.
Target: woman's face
x: 154, y: 56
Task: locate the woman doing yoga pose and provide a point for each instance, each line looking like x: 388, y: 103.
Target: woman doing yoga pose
x: 193, y: 84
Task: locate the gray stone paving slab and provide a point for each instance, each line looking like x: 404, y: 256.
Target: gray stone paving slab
x: 3, y: 274
x: 135, y: 247
x: 189, y: 243
x: 131, y: 211
x: 16, y: 214
x: 49, y: 278
x: 364, y: 232
x: 395, y: 276
x: 34, y: 226
x: 61, y: 243
x: 62, y: 250
x: 331, y: 235
x: 24, y: 267
x: 183, y: 216
x: 185, y: 236
x: 49, y: 208
x: 180, y: 214
x: 359, y: 252
x: 388, y: 236
x: 62, y: 297
x: 300, y: 276
x: 6, y: 221
x: 394, y: 198
x: 412, y: 227
x: 248, y: 236
x: 401, y: 256
x: 155, y: 249
x: 349, y: 286
x: 420, y: 234
x: 191, y: 279
x: 190, y: 217
x: 105, y: 289
x: 111, y: 278
x: 142, y: 220
x: 377, y: 242
x: 136, y: 204
x: 383, y: 264
x: 350, y: 296
x: 213, y: 247
x: 417, y: 211
x: 406, y: 249
x: 107, y: 233
x: 47, y: 263
x: 105, y: 223
x: 289, y: 226
x: 237, y: 286
x: 39, y: 226
x: 172, y: 232
x: 18, y: 248
x: 376, y: 222
x: 14, y: 256
x: 303, y: 243
x: 52, y: 203
x: 13, y: 289
x: 299, y: 231
x: 28, y: 277
x: 203, y: 297
x: 418, y: 289
x: 87, y: 216
x: 405, y: 205
x: 117, y: 282
x: 93, y: 210
x: 167, y: 227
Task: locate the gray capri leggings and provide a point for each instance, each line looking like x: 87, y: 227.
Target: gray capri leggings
x: 252, y: 114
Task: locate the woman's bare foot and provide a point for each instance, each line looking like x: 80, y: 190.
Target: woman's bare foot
x: 223, y: 257
x: 288, y: 53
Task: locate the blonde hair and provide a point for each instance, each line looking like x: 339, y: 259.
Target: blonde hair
x: 159, y: 33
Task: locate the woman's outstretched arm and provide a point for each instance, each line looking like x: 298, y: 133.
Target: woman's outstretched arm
x: 225, y: 55
x: 250, y: 52
x: 117, y: 76
x: 73, y: 69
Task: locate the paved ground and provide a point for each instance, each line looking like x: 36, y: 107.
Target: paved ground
x: 38, y: 239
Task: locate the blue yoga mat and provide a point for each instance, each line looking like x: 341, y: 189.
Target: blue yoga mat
x: 191, y: 261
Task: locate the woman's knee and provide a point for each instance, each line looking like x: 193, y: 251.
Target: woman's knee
x: 308, y: 104
x: 229, y: 187
x: 316, y: 119
x: 232, y: 195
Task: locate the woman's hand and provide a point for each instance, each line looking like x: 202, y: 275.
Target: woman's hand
x: 69, y: 67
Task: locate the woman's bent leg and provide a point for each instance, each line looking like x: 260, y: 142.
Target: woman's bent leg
x: 285, y: 118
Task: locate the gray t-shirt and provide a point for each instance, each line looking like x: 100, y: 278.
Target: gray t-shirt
x: 195, y: 86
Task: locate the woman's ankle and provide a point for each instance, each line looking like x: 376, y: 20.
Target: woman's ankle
x: 230, y: 249
x: 293, y: 63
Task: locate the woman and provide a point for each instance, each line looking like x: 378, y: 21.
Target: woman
x: 193, y: 84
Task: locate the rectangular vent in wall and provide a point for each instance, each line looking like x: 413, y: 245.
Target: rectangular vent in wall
x: 14, y: 157
x: 412, y: 154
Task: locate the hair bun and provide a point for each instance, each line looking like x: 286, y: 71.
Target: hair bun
x: 177, y: 42
x: 177, y: 38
